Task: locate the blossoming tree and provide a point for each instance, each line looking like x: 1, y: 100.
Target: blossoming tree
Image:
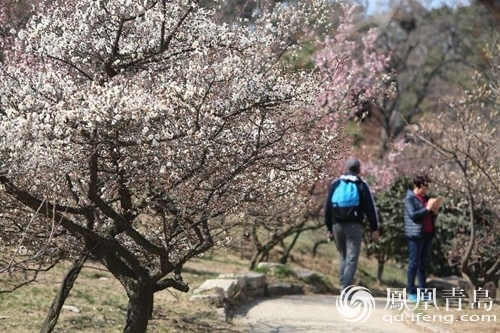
x: 463, y: 139
x: 130, y: 127
x: 13, y: 16
x: 349, y: 60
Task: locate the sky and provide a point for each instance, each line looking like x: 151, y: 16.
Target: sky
x: 375, y: 6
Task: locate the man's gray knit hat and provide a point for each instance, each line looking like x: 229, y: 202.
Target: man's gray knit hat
x: 353, y: 165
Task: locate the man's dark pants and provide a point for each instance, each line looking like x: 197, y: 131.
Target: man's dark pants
x: 419, y: 259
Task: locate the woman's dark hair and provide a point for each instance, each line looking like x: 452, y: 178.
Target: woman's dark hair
x: 420, y: 180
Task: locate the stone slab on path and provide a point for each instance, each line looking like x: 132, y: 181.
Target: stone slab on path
x: 312, y: 314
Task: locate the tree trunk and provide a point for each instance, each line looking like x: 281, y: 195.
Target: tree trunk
x: 284, y: 258
x: 255, y: 259
x: 67, y: 284
x: 140, y: 308
x: 467, y: 273
x: 380, y: 271
x: 316, y: 245
x: 261, y: 255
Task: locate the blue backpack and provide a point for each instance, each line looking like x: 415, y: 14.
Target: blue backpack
x: 345, y: 201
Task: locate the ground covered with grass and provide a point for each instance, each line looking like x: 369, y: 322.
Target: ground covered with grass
x: 101, y: 301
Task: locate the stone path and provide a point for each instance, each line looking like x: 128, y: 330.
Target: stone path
x: 312, y: 314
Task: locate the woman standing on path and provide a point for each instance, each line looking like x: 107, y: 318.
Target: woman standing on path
x: 420, y: 213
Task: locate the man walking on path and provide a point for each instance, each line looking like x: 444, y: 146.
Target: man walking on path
x: 349, y: 199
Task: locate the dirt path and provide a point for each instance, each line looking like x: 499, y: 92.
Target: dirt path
x: 312, y: 314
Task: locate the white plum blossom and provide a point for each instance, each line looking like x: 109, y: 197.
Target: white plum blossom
x: 136, y: 125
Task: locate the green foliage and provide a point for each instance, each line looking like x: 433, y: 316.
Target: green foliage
x: 84, y: 295
x: 485, y: 252
x: 353, y: 131
x: 319, y: 281
x: 304, y: 58
x: 278, y: 271
x: 282, y: 271
x: 451, y: 220
x: 263, y: 270
x: 392, y: 243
